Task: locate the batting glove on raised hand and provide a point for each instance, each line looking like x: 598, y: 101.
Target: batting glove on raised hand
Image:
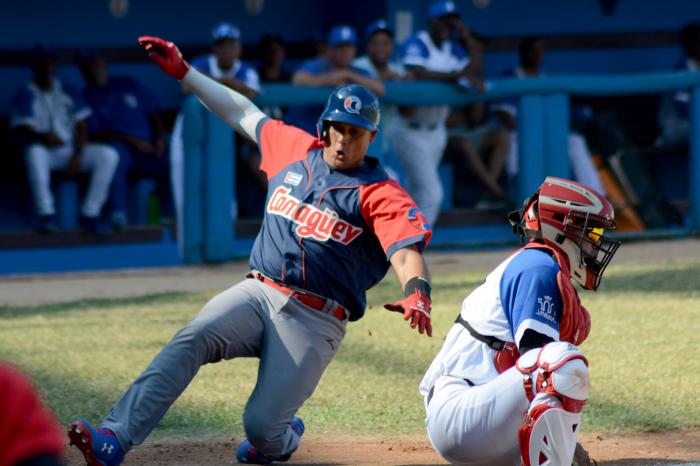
x: 166, y: 55
x: 416, y: 307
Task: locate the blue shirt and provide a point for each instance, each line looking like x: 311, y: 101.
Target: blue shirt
x: 55, y: 110
x: 209, y: 65
x: 122, y: 107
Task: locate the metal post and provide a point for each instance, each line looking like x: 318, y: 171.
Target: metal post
x: 193, y: 136
x: 218, y: 202
x: 694, y: 160
x: 531, y: 151
x: 556, y: 135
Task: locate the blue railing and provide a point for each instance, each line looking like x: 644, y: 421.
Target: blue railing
x: 543, y: 126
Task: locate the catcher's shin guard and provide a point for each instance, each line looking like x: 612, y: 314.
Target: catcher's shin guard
x: 557, y: 384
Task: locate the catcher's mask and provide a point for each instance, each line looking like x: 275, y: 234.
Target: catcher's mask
x: 352, y: 104
x: 571, y: 218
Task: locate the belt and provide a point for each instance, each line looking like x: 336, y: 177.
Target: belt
x: 414, y: 125
x: 318, y: 303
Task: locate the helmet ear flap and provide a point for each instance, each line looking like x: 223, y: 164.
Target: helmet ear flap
x: 526, y: 220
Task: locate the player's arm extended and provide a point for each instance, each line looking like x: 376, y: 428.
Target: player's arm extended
x: 413, y: 274
x: 409, y: 263
x: 231, y: 106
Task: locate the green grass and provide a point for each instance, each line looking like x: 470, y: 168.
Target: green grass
x: 643, y: 352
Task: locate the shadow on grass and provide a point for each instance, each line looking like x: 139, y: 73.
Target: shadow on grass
x: 683, y: 278
x: 9, y: 312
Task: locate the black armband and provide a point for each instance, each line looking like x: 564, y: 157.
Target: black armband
x: 417, y: 283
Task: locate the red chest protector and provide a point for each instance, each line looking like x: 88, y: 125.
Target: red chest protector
x: 575, y: 323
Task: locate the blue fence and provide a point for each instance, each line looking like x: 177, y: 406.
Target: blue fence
x: 543, y: 126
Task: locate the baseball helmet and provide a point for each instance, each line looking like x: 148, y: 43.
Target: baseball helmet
x: 352, y: 104
x: 570, y: 218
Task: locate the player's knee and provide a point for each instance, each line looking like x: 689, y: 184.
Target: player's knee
x: 259, y: 430
x: 35, y: 153
x: 200, y: 338
x: 109, y: 156
x: 558, y: 369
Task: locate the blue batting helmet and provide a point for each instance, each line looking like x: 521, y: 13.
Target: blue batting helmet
x: 352, y: 104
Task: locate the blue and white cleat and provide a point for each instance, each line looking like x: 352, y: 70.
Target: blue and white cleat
x: 248, y: 454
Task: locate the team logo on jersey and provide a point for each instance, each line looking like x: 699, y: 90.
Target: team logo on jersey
x: 293, y: 178
x: 130, y: 100
x: 414, y: 213
x: 352, y: 104
x: 312, y: 222
x: 546, y: 309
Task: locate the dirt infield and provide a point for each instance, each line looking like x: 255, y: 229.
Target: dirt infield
x: 638, y: 450
x: 675, y: 448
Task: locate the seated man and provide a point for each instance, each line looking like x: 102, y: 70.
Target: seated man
x: 674, y: 111
x: 478, y: 147
x: 531, y: 51
x: 51, y: 121
x: 125, y: 116
x: 331, y: 70
x: 420, y: 135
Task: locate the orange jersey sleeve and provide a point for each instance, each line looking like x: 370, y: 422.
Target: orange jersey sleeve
x: 281, y: 144
x: 393, y: 216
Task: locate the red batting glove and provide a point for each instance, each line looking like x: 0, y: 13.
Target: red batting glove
x: 166, y: 55
x: 416, y: 307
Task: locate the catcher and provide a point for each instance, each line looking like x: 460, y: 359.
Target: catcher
x: 509, y: 384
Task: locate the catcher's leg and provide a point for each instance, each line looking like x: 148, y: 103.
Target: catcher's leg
x: 556, y: 379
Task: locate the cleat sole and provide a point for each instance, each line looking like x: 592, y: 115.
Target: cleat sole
x: 80, y: 436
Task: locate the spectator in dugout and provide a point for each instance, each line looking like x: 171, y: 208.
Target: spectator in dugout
x: 225, y: 66
x: 446, y: 52
x: 272, y: 54
x: 331, y: 70
x: 379, y: 63
x: 50, y: 118
x: 126, y: 116
x: 531, y: 54
x: 379, y: 60
x: 673, y: 112
x: 478, y: 147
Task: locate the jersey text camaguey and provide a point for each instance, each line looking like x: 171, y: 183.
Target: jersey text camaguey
x: 327, y: 231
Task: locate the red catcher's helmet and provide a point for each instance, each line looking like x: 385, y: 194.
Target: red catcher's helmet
x: 570, y: 218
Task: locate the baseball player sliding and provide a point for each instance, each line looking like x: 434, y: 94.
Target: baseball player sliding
x: 333, y: 223
x: 508, y: 384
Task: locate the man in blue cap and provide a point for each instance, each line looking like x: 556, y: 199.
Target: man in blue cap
x: 378, y: 61
x: 420, y: 136
x: 332, y: 70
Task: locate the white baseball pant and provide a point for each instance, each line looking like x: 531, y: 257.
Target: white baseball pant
x: 99, y: 159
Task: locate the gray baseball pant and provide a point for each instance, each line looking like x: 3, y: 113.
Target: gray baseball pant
x: 294, y: 342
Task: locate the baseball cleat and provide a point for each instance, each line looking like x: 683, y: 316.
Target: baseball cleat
x: 99, y: 447
x: 248, y: 454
